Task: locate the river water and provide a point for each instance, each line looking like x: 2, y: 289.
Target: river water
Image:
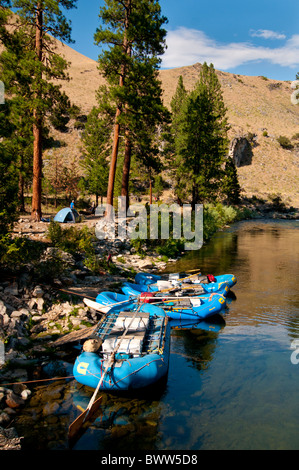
x: 232, y: 385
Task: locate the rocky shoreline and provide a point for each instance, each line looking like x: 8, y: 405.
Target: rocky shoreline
x: 34, y: 315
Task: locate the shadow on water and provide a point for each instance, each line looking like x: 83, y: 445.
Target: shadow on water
x: 123, y: 419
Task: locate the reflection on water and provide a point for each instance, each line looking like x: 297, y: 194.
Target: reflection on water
x: 231, y: 382
x: 247, y: 397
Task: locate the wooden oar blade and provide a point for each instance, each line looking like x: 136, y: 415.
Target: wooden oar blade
x: 81, y: 423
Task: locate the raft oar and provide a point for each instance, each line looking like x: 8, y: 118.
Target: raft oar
x: 96, y: 305
x: 188, y: 277
x: 76, y: 428
x: 167, y: 300
x: 193, y: 287
x: 138, y: 300
x: 177, y: 280
x: 176, y: 299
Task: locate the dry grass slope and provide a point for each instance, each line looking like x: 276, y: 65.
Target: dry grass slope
x: 254, y: 104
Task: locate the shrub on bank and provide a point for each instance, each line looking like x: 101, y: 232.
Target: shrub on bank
x: 77, y: 241
x: 215, y: 217
x: 219, y: 215
x: 19, y: 250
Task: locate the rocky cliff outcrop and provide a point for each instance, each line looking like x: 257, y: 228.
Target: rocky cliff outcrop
x: 240, y: 151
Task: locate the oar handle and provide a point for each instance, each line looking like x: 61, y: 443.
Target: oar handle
x: 180, y: 287
x: 122, y: 302
x: 99, y: 385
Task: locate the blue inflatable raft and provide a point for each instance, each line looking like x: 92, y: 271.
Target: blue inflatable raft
x: 178, y: 278
x: 175, y: 307
x: 131, y: 289
x: 191, y: 309
x: 131, y: 350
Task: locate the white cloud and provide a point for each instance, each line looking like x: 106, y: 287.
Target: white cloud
x: 188, y: 46
x: 266, y: 34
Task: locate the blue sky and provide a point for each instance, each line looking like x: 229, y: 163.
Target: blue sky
x: 253, y: 37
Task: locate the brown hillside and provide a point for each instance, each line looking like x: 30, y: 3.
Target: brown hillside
x: 255, y: 105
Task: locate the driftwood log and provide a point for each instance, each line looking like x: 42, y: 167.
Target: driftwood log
x: 74, y: 336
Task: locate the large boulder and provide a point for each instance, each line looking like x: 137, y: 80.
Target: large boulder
x: 240, y: 151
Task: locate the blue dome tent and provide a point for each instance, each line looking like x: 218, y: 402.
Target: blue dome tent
x: 67, y: 215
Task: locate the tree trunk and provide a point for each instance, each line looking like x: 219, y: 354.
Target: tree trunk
x: 21, y: 186
x: 127, y: 160
x: 195, y: 197
x: 36, y: 211
x: 126, y: 173
x: 112, y: 171
x: 151, y: 191
x: 21, y: 193
x: 150, y: 187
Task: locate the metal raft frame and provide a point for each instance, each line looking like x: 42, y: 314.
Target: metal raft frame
x: 154, y: 337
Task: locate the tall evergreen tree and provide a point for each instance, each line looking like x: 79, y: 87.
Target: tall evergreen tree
x: 39, y: 19
x: 147, y: 154
x: 8, y: 174
x: 133, y: 31
x: 201, y: 140
x: 230, y: 184
x: 96, y: 140
x: 18, y: 82
x: 177, y: 103
x: 174, y: 136
x: 8, y: 156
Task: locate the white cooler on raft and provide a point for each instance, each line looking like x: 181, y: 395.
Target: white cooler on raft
x: 139, y: 323
x: 132, y: 343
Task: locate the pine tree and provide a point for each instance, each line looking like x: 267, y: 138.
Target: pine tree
x: 147, y: 156
x: 177, y: 105
x: 8, y: 156
x: 201, y: 140
x: 8, y: 174
x: 230, y: 184
x: 18, y: 81
x: 38, y: 19
x: 96, y: 140
x: 133, y: 31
